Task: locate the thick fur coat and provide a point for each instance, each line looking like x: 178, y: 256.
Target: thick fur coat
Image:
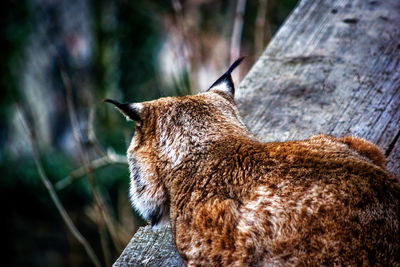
x: 235, y: 201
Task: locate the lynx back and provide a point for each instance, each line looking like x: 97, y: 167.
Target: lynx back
x: 235, y: 201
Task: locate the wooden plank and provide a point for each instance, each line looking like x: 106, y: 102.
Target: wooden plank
x: 394, y: 157
x: 334, y: 67
x: 150, y: 248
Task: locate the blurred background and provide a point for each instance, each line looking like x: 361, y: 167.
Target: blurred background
x: 64, y: 175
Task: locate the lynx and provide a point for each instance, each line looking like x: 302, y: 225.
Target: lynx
x: 235, y: 201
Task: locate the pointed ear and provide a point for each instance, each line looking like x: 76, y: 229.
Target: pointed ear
x: 130, y: 110
x: 225, y: 83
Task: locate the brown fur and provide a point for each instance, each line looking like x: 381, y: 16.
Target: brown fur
x: 235, y: 201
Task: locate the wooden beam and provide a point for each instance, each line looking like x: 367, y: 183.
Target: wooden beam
x: 334, y: 67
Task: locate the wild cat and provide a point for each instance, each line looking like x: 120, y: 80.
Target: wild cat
x: 235, y: 201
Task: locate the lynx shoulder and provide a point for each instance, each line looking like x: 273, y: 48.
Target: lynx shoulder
x: 235, y: 201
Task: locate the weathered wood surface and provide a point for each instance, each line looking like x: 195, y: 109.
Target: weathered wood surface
x: 334, y: 67
x: 150, y: 248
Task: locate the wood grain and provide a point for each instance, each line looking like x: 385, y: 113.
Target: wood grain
x: 334, y: 67
x: 150, y: 248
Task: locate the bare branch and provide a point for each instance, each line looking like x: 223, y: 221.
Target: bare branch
x: 180, y: 21
x: 91, y: 134
x: 187, y: 47
x: 109, y: 222
x: 237, y: 30
x: 54, y: 197
x: 262, y: 33
x: 109, y: 159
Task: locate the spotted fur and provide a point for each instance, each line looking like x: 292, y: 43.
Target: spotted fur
x: 235, y: 201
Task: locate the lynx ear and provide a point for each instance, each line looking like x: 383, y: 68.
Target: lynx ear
x: 225, y: 83
x: 130, y: 111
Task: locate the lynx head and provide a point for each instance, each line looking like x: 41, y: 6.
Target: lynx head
x: 168, y: 132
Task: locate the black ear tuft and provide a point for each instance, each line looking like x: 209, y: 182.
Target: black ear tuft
x: 225, y: 83
x: 126, y: 109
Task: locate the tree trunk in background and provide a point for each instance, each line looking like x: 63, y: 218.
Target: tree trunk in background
x: 334, y: 67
